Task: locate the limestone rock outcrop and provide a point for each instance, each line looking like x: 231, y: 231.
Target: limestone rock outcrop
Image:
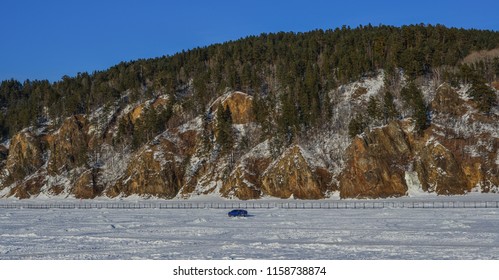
x: 245, y: 182
x: 87, y: 185
x: 159, y: 168
x: 295, y: 175
x: 240, y: 105
x: 28, y: 188
x: 457, y: 153
x: 440, y: 172
x: 25, y: 156
x: 69, y: 145
x: 377, y: 164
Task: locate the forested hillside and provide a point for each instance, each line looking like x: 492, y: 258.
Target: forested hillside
x: 221, y: 118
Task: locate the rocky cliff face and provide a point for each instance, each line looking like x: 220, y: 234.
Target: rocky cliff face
x: 156, y: 170
x: 240, y: 105
x: 87, y: 185
x: 33, y: 158
x: 25, y: 156
x: 377, y: 164
x: 245, y: 182
x: 439, y: 171
x: 295, y: 175
x: 69, y: 145
x: 456, y: 154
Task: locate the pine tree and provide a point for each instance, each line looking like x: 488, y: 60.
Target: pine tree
x: 374, y: 111
x: 414, y: 102
x: 421, y: 115
x: 162, y: 118
x: 482, y: 94
x: 225, y: 134
x: 138, y: 136
x: 288, y: 121
x: 258, y: 108
x: 263, y: 114
x: 389, y: 109
x: 207, y: 131
x: 357, y: 125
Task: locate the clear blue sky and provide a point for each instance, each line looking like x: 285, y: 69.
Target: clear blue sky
x: 51, y: 38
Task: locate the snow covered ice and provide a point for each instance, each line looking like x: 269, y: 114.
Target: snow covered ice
x: 276, y: 233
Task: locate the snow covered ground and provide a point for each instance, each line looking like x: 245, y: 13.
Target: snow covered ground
x: 388, y: 233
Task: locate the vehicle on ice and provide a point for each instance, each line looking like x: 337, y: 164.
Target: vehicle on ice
x: 238, y: 213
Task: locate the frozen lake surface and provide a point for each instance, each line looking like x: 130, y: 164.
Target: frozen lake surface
x: 275, y: 233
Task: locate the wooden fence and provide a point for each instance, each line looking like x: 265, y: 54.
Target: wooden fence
x: 255, y: 205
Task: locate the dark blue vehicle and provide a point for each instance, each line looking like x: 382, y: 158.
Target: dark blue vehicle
x: 238, y: 213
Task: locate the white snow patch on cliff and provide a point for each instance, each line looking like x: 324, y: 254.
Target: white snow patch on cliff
x: 261, y: 150
x: 463, y: 92
x: 195, y: 124
x: 372, y: 86
x: 414, y: 187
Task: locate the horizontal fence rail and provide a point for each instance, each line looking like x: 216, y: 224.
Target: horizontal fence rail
x: 257, y: 205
